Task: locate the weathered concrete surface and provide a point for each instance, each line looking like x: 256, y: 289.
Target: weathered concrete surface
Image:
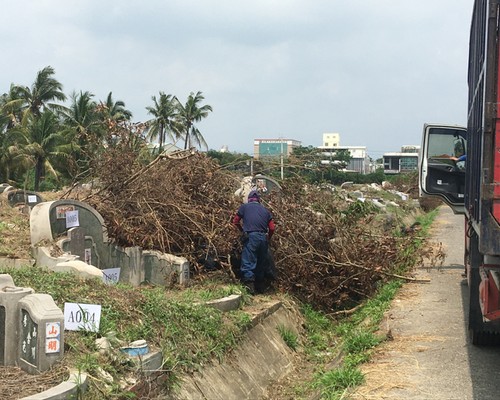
x: 262, y: 358
x: 227, y: 303
x: 6, y: 262
x: 430, y: 357
x: 70, y: 389
x: 88, y: 244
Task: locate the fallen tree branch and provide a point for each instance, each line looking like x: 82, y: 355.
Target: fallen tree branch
x: 382, y: 272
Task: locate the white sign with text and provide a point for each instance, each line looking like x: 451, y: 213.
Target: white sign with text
x: 82, y: 317
x: 72, y: 219
x: 111, y: 276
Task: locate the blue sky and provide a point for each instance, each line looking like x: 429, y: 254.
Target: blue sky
x: 374, y: 71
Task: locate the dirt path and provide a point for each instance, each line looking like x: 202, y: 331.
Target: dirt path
x: 429, y: 356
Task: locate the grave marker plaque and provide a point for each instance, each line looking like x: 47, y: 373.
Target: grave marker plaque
x: 77, y: 242
x: 41, y: 333
x: 29, y: 335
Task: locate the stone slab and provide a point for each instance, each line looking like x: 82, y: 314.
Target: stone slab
x: 70, y: 389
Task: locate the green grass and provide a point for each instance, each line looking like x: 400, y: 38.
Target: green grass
x: 353, y: 339
x: 426, y: 220
x: 333, y: 384
x: 289, y: 337
x: 321, y: 337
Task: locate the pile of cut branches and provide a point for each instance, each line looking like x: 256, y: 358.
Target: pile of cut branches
x: 330, y: 252
x: 179, y: 204
x: 325, y: 248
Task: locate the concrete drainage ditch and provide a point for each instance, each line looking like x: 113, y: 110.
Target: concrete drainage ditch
x: 261, y: 358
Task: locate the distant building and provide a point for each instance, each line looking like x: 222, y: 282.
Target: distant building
x: 402, y: 162
x: 263, y: 148
x: 331, y: 140
x: 359, y: 162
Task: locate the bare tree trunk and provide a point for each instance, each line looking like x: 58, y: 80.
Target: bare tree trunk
x: 38, y: 172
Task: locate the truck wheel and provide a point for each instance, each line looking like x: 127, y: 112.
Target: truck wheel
x: 477, y: 334
x: 476, y: 322
x: 481, y: 333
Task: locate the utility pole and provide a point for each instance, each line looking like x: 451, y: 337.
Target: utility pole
x: 281, y: 158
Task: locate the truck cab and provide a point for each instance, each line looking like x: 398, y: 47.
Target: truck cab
x: 446, y: 172
x: 442, y: 164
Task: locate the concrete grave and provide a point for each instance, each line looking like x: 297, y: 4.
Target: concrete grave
x: 264, y: 184
x: 23, y: 314
x: 19, y: 197
x: 76, y: 244
x: 5, y: 187
x: 79, y: 233
x: 9, y: 298
x: 41, y: 328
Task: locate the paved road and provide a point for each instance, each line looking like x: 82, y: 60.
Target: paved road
x: 430, y: 356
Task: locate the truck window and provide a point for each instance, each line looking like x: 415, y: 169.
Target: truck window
x: 445, y: 145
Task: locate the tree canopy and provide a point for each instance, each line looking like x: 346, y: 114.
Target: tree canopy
x: 41, y: 134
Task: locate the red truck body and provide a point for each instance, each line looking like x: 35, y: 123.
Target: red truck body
x: 472, y: 187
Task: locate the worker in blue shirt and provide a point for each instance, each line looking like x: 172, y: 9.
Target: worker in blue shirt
x: 463, y: 157
x: 258, y: 227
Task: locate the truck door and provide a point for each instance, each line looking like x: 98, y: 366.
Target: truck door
x: 442, y: 164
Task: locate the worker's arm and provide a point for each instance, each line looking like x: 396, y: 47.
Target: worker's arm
x: 236, y: 222
x: 272, y: 227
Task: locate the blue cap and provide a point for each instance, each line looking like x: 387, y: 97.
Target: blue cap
x: 254, y: 194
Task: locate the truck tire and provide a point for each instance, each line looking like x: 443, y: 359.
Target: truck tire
x: 477, y: 333
x: 481, y: 333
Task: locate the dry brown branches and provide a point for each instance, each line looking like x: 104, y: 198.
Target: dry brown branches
x: 327, y: 251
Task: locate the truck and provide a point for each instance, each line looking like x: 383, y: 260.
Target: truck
x: 472, y: 186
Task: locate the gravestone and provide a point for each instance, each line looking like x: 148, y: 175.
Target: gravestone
x: 265, y: 184
x: 41, y: 328
x: 10, y: 295
x: 3, y: 186
x: 18, y: 197
x: 85, y: 237
x: 76, y: 245
x: 31, y: 328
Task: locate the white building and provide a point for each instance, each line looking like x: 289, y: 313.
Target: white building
x: 400, y: 162
x: 331, y: 140
x: 360, y: 162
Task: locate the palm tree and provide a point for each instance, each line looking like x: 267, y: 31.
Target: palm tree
x: 45, y: 89
x: 11, y: 107
x: 190, y: 113
x: 43, y: 139
x: 164, y: 123
x: 115, y: 110
x: 10, y: 138
x: 84, y: 128
x: 81, y: 116
x: 11, y: 158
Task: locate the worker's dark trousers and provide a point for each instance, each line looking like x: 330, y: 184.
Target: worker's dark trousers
x: 253, y: 256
